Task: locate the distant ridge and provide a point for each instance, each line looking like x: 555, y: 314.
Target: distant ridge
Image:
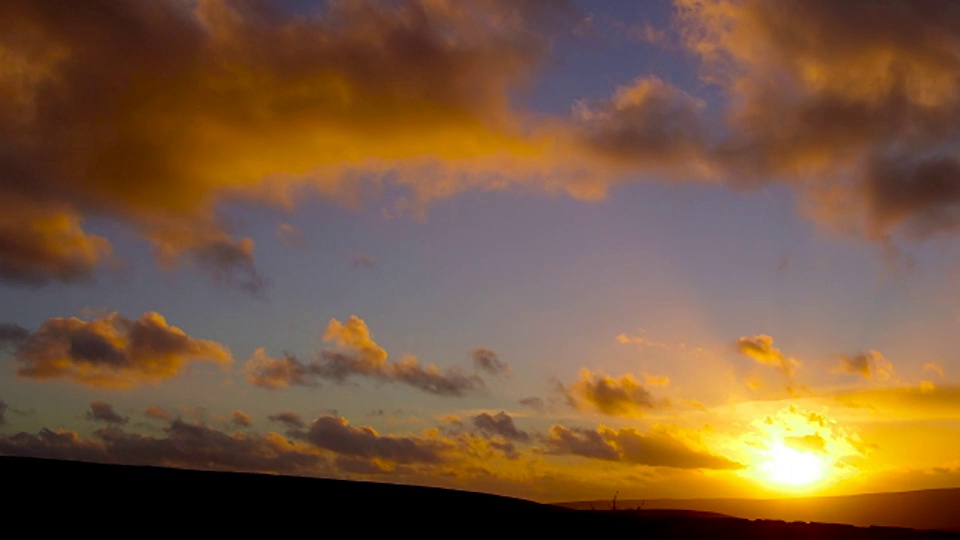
x: 47, y: 497
x: 922, y: 509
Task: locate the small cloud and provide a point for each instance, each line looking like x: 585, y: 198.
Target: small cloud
x: 290, y: 236
x: 487, y: 361
x: 935, y: 368
x: 230, y: 263
x: 869, y: 365
x: 241, y: 419
x: 500, y: 424
x: 157, y: 412
x: 358, y: 260
x: 534, y: 403
x: 291, y: 419
x: 615, y: 397
x: 656, y: 380
x: 760, y: 348
x: 101, y: 411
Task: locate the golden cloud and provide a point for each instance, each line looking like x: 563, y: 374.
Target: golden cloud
x: 112, y: 351
x: 616, y: 397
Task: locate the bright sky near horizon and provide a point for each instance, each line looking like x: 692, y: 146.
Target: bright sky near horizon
x: 547, y: 249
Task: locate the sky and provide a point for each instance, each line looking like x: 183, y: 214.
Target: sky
x: 547, y: 249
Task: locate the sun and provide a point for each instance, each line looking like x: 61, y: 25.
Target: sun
x: 793, y: 468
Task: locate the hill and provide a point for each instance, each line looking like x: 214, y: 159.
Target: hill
x: 48, y: 497
x: 926, y: 509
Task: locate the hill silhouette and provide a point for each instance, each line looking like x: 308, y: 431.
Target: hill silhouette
x: 64, y: 497
x: 924, y: 509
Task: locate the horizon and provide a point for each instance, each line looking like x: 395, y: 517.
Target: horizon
x: 550, y: 250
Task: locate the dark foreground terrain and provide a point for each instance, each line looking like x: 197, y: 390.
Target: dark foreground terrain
x: 48, y: 497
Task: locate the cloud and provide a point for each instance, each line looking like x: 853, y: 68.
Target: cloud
x: 869, y: 365
x: 337, y: 435
x: 231, y: 263
x: 614, y: 397
x: 101, y: 411
x: 760, y: 348
x: 43, y: 243
x: 290, y: 419
x: 358, y: 260
x: 290, y: 236
x: 12, y: 334
x: 935, y: 368
x: 184, y: 445
x: 810, y: 443
x: 647, y: 124
x: 656, y: 449
x: 157, y: 412
x: 356, y: 354
x: 3, y: 412
x: 842, y: 99
x: 112, y: 351
x: 274, y: 373
x: 241, y: 419
x: 535, y: 403
x: 487, y: 361
x: 500, y: 424
x: 911, y: 402
x: 233, y: 99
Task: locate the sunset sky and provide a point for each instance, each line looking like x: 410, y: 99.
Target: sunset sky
x: 539, y: 248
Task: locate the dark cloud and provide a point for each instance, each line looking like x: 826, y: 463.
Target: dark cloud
x: 646, y: 123
x: 12, y: 334
x: 101, y: 411
x: 112, y: 351
x: 230, y: 263
x: 500, y: 424
x: 337, y: 435
x: 869, y: 365
x: 290, y: 419
x: 534, y: 403
x: 580, y: 442
x: 3, y: 412
x: 241, y: 419
x: 488, y: 362
x: 615, y: 397
x: 842, y: 98
x: 357, y: 355
x: 656, y: 449
x: 183, y: 445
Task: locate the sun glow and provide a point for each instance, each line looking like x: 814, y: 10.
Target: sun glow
x: 789, y: 467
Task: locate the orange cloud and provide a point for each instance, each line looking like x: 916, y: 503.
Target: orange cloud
x: 356, y: 354
x: 655, y: 449
x: 616, y: 397
x: 153, y: 114
x: 112, y: 351
x: 870, y: 365
x: 760, y: 348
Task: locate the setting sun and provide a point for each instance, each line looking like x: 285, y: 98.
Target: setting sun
x: 789, y: 467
